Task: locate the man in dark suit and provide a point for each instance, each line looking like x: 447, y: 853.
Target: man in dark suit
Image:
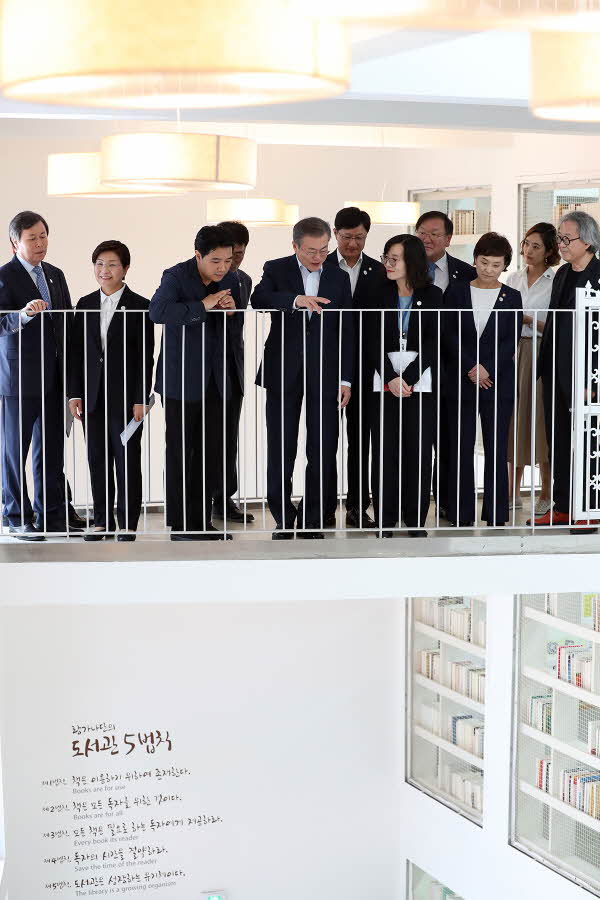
x: 111, y: 356
x: 223, y: 504
x: 578, y: 243
x: 351, y: 228
x: 302, y: 361
x: 193, y: 379
x: 435, y: 229
x: 32, y: 343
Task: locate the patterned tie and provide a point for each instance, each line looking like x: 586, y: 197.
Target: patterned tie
x: 432, y: 267
x: 42, y: 286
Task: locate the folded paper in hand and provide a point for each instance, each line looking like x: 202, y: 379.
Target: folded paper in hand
x: 400, y: 360
x: 132, y: 425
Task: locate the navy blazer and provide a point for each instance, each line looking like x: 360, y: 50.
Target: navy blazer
x: 16, y: 290
x: 189, y: 329
x: 422, y: 336
x: 235, y: 325
x: 458, y: 270
x: 497, y: 344
x: 128, y: 371
x: 279, y: 286
x: 563, y: 345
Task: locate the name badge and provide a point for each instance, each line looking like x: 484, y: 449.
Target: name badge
x: 403, y: 344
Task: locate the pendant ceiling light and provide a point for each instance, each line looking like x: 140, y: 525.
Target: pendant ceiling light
x: 471, y: 15
x: 180, y: 160
x: 252, y: 211
x: 383, y: 212
x: 565, y: 77
x: 179, y: 54
x: 78, y: 175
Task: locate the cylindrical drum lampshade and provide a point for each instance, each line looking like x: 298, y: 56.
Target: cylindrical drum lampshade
x: 179, y: 54
x: 251, y: 211
x: 181, y: 160
x: 565, y: 77
x: 467, y: 15
x: 383, y: 212
x: 78, y: 175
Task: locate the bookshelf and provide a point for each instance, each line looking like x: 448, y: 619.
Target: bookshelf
x: 556, y: 795
x: 470, y: 209
x: 445, y: 712
x: 423, y: 886
x: 548, y: 201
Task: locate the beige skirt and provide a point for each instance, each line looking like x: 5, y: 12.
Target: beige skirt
x: 524, y: 410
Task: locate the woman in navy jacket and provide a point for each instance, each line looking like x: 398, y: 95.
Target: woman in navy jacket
x: 412, y: 303
x: 480, y: 334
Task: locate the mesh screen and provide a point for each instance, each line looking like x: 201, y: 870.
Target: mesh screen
x: 446, y: 723
x: 425, y: 887
x: 548, y: 202
x: 556, y: 812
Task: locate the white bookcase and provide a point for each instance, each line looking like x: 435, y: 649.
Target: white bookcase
x: 556, y: 766
x: 470, y: 209
x: 423, y: 886
x: 446, y: 700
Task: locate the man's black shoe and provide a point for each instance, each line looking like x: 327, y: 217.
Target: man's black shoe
x: 76, y: 521
x: 25, y: 532
x: 58, y: 525
x: 280, y: 535
x: 234, y: 513
x: 354, y: 519
x: 419, y: 532
x: 310, y: 535
x: 126, y: 536
x: 387, y: 534
x: 100, y: 535
x: 213, y: 535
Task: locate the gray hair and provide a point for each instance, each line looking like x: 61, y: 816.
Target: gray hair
x: 313, y: 227
x: 589, y: 230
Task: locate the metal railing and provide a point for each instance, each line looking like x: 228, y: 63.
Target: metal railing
x: 437, y: 460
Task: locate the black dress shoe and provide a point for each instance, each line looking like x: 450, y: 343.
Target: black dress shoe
x: 234, y: 513
x: 462, y: 524
x: 310, y: 535
x: 354, y: 519
x: 126, y: 536
x: 25, y: 532
x: 280, y: 535
x: 419, y: 532
x: 76, y: 521
x: 58, y: 525
x: 213, y: 534
x: 386, y: 534
x: 100, y: 535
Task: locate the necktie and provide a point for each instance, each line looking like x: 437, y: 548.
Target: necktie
x: 432, y: 267
x: 42, y: 287
x: 312, y: 286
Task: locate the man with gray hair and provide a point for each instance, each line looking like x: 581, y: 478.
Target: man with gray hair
x: 578, y: 242
x: 307, y: 356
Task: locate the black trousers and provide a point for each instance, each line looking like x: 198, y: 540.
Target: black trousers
x: 415, y: 443
x: 233, y: 411
x: 193, y: 446
x: 321, y: 448
x: 495, y: 416
x: 440, y: 448
x: 358, y: 432
x: 557, y: 417
x: 108, y: 457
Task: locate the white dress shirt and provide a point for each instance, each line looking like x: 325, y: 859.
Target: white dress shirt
x: 29, y: 268
x: 442, y: 278
x: 536, y: 297
x: 483, y: 300
x: 108, y: 304
x: 353, y: 271
x: 311, y: 282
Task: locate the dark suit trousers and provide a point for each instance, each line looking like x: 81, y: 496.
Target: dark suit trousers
x: 321, y: 449
x: 461, y: 449
x: 233, y: 411
x: 47, y: 452
x: 106, y: 457
x: 193, y: 444
x: 358, y: 430
x: 415, y: 444
x: 557, y: 415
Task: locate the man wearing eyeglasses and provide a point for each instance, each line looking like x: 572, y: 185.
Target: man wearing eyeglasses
x: 307, y: 356
x: 578, y: 242
x: 435, y: 229
x: 351, y: 227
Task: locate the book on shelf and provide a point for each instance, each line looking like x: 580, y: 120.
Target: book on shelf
x: 466, y: 787
x: 428, y: 663
x: 539, y: 712
x: 438, y: 891
x: 574, y: 663
x: 466, y: 731
x: 544, y: 767
x: 587, y: 611
x: 428, y: 717
x: 580, y: 787
x: 463, y: 221
x: 593, y: 737
x: 451, y: 615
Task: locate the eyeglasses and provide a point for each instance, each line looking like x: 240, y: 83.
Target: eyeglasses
x: 563, y: 239
x: 390, y: 260
x: 347, y: 238
x: 432, y: 234
x: 315, y: 253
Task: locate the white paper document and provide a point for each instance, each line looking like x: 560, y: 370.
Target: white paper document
x: 400, y: 360
x: 132, y: 425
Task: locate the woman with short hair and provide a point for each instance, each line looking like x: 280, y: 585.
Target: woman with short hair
x: 482, y: 322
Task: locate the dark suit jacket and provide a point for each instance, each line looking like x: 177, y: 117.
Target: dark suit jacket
x: 563, y: 344
x: 279, y: 286
x: 235, y: 326
x: 16, y: 290
x: 126, y: 377
x: 459, y: 271
x: 422, y: 334
x: 177, y: 304
x: 496, y: 344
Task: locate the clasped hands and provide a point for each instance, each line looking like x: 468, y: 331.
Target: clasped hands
x: 399, y: 388
x: 480, y: 375
x: 220, y: 300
